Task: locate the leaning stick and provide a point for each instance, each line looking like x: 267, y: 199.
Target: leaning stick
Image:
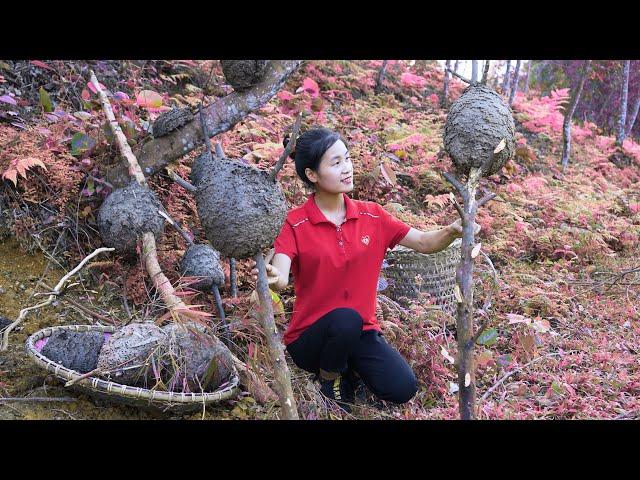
x: 258, y: 388
x: 56, y: 291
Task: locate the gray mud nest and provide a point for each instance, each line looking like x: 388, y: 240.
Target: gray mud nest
x: 476, y: 123
x: 192, y: 360
x: 171, y: 120
x: 243, y: 74
x: 204, y: 262
x: 241, y: 208
x: 128, y: 354
x: 200, y: 165
x: 126, y: 214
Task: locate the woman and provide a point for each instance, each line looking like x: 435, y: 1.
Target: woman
x: 334, y: 246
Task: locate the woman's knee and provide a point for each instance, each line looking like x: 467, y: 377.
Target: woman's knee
x: 403, y: 388
x: 345, y: 321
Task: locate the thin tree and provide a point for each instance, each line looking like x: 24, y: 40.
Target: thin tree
x: 445, y: 90
x: 455, y: 66
x: 514, y: 88
x: 526, y: 78
x: 505, y: 82
x: 485, y: 73
x: 474, y: 71
x: 383, y: 69
x: 624, y: 96
x: 566, y: 126
x: 633, y: 116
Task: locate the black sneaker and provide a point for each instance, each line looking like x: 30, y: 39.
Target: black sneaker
x: 357, y: 386
x: 339, y: 390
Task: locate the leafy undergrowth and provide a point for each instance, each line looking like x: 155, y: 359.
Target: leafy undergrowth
x: 564, y: 330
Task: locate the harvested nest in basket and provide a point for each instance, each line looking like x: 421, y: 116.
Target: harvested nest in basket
x: 193, y: 361
x: 126, y: 356
x: 127, y: 214
x: 241, y: 208
x: 75, y: 350
x: 243, y: 74
x: 477, y: 121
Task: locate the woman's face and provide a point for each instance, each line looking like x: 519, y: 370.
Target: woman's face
x: 335, y: 172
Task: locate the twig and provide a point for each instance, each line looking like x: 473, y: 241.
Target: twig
x: 175, y: 225
x: 485, y: 199
x: 219, y: 151
x: 289, y: 148
x: 464, y: 79
x: 52, y: 296
x: 182, y: 182
x: 457, y: 185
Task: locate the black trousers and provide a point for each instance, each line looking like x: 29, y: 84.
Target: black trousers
x: 337, y: 343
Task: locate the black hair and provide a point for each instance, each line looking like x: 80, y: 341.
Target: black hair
x: 310, y: 146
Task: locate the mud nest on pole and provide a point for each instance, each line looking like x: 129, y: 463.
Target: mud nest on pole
x: 204, y: 262
x: 243, y: 74
x: 241, y: 208
x: 127, y: 214
x: 477, y: 121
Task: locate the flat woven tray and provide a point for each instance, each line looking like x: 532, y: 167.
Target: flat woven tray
x: 125, y: 394
x: 409, y: 273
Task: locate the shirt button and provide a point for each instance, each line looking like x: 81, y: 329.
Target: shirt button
x: 340, y: 242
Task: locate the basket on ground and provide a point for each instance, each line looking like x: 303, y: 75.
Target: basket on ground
x: 410, y: 273
x: 125, y: 394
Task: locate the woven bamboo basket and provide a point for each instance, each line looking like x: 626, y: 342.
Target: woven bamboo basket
x: 126, y: 394
x: 409, y: 273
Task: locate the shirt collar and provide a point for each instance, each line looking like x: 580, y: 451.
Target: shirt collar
x: 316, y: 216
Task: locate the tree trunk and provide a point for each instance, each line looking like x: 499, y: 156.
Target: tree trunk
x: 624, y: 96
x: 514, y: 88
x: 566, y: 127
x: 485, y: 73
x: 505, y: 82
x: 526, y: 78
x: 276, y: 352
x: 634, y: 115
x: 455, y: 66
x: 445, y: 90
x: 474, y: 70
x: 156, y: 153
x: 383, y: 70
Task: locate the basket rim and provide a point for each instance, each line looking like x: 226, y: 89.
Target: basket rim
x: 117, y: 389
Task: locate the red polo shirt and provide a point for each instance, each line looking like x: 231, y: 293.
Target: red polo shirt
x: 335, y: 266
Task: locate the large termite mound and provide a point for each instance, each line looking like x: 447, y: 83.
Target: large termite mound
x: 128, y: 355
x: 476, y: 123
x: 241, y: 208
x: 243, y: 74
x: 188, y: 354
x: 171, y: 120
x: 75, y: 350
x: 204, y: 262
x: 126, y: 214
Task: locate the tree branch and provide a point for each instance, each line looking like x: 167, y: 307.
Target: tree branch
x: 466, y: 80
x: 156, y: 153
x: 289, y: 148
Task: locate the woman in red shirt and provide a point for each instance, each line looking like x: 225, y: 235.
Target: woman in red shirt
x: 334, y: 247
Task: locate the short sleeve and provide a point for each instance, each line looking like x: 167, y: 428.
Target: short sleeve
x: 393, y: 230
x: 286, y: 242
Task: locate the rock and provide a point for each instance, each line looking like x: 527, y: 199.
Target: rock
x: 171, y: 120
x: 243, y: 74
x: 129, y: 352
x: 202, y: 261
x: 126, y: 214
x: 241, y: 208
x: 75, y: 350
x: 477, y: 121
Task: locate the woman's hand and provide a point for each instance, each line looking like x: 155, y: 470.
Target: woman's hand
x: 456, y: 228
x: 273, y: 275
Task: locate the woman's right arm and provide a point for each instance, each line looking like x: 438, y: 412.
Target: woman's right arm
x: 277, y: 270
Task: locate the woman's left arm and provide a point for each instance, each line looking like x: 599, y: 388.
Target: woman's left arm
x: 435, y: 240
